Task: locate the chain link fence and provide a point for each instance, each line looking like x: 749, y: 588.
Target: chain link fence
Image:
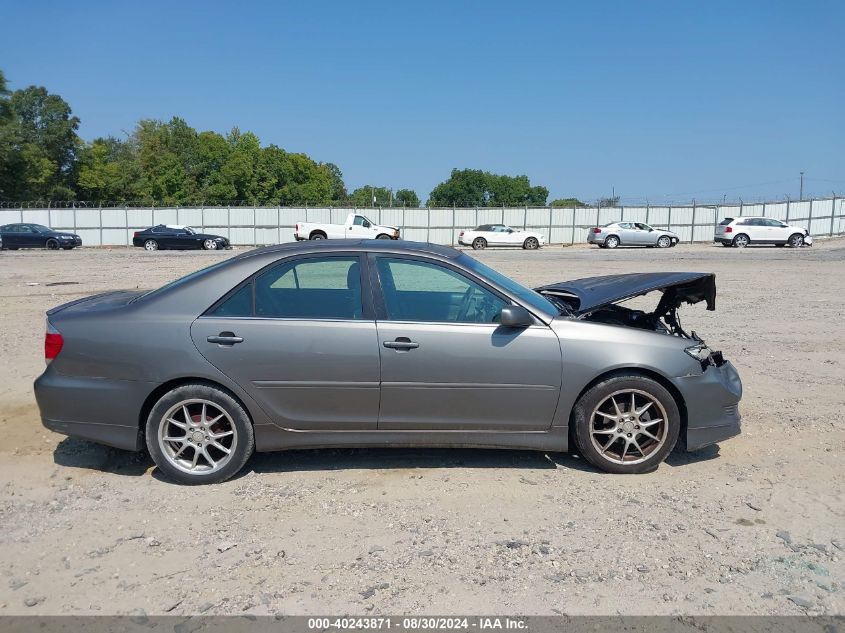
x: 254, y: 226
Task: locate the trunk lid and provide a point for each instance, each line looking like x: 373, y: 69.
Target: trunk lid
x: 583, y: 296
x: 98, y: 302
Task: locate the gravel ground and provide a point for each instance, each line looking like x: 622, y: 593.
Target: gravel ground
x: 754, y: 526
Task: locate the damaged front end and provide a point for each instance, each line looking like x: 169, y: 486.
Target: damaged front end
x: 596, y: 299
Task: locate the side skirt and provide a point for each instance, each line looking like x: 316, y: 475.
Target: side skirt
x: 269, y: 437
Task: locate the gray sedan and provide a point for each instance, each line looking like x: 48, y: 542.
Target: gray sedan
x: 383, y: 343
x: 631, y: 234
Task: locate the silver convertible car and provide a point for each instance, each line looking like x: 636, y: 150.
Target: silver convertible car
x: 384, y: 343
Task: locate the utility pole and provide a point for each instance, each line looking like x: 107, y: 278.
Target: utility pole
x: 801, y: 191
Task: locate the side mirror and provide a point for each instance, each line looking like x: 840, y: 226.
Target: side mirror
x: 515, y: 316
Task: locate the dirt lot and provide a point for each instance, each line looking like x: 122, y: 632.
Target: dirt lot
x: 755, y: 526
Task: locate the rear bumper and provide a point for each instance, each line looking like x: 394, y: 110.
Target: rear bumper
x: 712, y: 404
x: 722, y: 240
x: 97, y: 409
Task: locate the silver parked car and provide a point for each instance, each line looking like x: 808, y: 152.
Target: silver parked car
x: 631, y: 234
x: 383, y: 343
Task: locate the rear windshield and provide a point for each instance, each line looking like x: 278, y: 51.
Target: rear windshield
x: 178, y: 282
x: 726, y: 221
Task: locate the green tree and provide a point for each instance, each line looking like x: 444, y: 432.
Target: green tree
x: 371, y: 196
x: 609, y: 202
x: 473, y: 187
x: 39, y: 142
x: 406, y: 198
x: 568, y: 202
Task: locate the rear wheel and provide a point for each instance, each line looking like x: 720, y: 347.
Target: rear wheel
x: 317, y: 235
x: 51, y: 244
x: 611, y: 241
x: 664, y: 241
x: 150, y: 245
x: 199, y: 434
x: 626, y: 424
x: 796, y: 240
x: 531, y: 244
x: 741, y: 240
x: 479, y: 243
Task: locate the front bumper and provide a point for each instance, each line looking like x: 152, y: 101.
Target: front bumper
x: 712, y: 405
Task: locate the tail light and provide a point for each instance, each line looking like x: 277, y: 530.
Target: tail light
x: 729, y: 229
x: 596, y: 230
x: 296, y: 227
x: 135, y: 234
x: 53, y: 343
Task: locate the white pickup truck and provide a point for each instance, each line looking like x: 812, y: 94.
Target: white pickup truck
x: 356, y: 227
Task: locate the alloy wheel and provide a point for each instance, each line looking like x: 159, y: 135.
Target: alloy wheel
x: 628, y: 426
x: 741, y: 241
x: 796, y: 240
x: 209, y: 245
x: 151, y: 245
x: 664, y: 242
x: 197, y: 436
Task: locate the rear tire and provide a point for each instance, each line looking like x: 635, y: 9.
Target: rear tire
x: 611, y: 241
x: 150, y: 245
x: 741, y: 241
x: 531, y: 244
x: 317, y: 235
x: 607, y: 428
x: 479, y: 244
x: 200, y: 458
x: 51, y: 244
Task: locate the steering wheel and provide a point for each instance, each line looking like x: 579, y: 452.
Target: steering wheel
x: 466, y: 304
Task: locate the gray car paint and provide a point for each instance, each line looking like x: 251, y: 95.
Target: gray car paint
x: 478, y: 385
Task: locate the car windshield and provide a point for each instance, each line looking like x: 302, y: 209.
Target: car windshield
x: 190, y: 231
x: 178, y: 282
x: 39, y: 228
x: 527, y: 296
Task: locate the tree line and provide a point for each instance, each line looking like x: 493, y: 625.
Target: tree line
x: 42, y: 157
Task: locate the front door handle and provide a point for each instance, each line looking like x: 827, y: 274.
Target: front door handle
x: 401, y: 343
x: 225, y: 338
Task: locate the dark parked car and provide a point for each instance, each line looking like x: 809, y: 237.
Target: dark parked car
x: 384, y: 343
x: 177, y: 237
x: 17, y: 236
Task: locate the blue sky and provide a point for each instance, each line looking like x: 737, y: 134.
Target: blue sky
x: 659, y: 100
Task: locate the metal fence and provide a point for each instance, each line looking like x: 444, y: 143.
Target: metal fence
x: 114, y: 226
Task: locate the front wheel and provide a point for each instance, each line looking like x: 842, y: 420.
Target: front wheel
x: 479, y: 244
x: 150, y: 245
x: 664, y: 241
x: 626, y: 424
x: 383, y: 236
x: 209, y: 245
x: 531, y: 244
x: 52, y: 245
x: 199, y: 434
x: 796, y: 240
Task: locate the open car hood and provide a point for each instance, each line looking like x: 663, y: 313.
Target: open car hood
x: 583, y: 296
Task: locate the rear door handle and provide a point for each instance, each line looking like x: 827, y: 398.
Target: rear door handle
x: 401, y: 343
x: 225, y: 338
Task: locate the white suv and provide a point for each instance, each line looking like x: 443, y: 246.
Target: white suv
x: 741, y: 232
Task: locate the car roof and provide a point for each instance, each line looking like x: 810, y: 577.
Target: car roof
x: 392, y: 246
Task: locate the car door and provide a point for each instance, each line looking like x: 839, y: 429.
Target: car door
x: 446, y: 364
x: 30, y: 237
x: 755, y: 230
x: 300, y: 337
x: 361, y: 228
x: 778, y: 231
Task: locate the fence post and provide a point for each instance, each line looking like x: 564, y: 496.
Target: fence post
x: 101, y: 223
x: 692, y: 228
x: 832, y: 214
x: 810, y: 219
x: 525, y: 217
x: 572, y: 237
x: 452, y: 232
x: 647, y: 210
x: 787, y: 210
x: 669, y: 225
x: 229, y: 222
x: 622, y: 214
x: 428, y: 226
x: 279, y: 224
x: 551, y: 214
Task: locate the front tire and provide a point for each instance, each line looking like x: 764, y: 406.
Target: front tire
x: 150, y: 245
x: 479, y: 244
x: 796, y: 240
x: 383, y: 236
x: 531, y: 244
x: 664, y: 241
x: 209, y: 245
x: 51, y: 245
x: 199, y: 434
x: 626, y: 424
x: 611, y: 242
